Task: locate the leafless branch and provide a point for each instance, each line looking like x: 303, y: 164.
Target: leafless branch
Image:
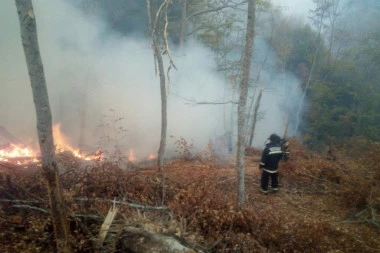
x: 195, y: 102
x: 227, y: 5
x: 41, y: 210
x: 20, y: 201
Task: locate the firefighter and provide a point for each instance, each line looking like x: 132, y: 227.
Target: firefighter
x: 272, y: 154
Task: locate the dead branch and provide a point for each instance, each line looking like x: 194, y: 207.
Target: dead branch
x: 131, y: 205
x: 214, y: 103
x: 20, y: 201
x: 367, y: 215
x: 41, y: 210
x: 195, y: 102
x: 167, y: 50
x: 227, y: 5
x: 366, y: 245
x: 88, y: 217
x: 27, y: 192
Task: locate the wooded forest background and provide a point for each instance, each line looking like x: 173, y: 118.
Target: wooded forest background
x: 342, y: 99
x: 311, y: 80
x: 330, y: 57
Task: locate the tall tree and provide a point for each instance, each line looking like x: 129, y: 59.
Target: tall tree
x: 254, y: 121
x: 182, y: 30
x: 158, y: 60
x: 29, y: 39
x: 318, y: 18
x: 162, y: 11
x: 333, y: 14
x: 246, y: 67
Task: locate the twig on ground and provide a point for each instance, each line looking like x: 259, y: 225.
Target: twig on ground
x: 131, y: 205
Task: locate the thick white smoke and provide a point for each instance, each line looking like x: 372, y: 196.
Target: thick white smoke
x: 105, y: 84
x: 95, y: 74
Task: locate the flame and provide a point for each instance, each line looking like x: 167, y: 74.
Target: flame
x: 151, y: 157
x: 19, y: 154
x: 62, y: 144
x: 131, y: 156
x: 16, y: 151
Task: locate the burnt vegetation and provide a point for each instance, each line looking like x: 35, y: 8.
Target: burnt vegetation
x: 324, y: 203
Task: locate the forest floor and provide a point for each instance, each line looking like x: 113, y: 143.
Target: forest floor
x: 325, y: 204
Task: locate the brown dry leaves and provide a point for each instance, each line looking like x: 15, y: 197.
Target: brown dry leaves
x: 316, y: 196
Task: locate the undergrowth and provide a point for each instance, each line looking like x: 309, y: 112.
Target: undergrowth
x: 307, y: 215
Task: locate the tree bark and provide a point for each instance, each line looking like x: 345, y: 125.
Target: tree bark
x: 246, y: 67
x: 164, y: 123
x: 158, y: 59
x: 29, y: 39
x: 319, y: 16
x: 183, y: 24
x: 257, y: 105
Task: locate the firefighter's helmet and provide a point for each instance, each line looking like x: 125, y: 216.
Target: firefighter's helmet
x: 274, y: 138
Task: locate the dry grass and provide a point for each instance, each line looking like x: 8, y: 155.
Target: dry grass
x: 324, y: 205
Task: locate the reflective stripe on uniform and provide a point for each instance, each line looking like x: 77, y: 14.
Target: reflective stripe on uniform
x: 271, y: 171
x: 275, y: 152
x: 262, y: 163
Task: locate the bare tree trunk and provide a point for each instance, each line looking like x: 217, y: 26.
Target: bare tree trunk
x: 257, y: 105
x: 333, y: 15
x: 44, y: 122
x: 161, y: 150
x: 183, y: 24
x: 319, y: 16
x: 286, y: 126
x: 246, y: 67
x: 161, y: 71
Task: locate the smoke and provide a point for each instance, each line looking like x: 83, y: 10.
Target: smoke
x: 298, y: 9
x: 105, y: 84
x: 281, y: 94
x: 104, y: 93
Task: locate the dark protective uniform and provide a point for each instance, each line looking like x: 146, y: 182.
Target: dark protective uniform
x: 272, y: 154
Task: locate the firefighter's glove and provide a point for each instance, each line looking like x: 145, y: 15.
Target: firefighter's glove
x: 286, y: 155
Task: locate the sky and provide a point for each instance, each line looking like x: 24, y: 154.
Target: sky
x: 297, y: 8
x: 95, y: 74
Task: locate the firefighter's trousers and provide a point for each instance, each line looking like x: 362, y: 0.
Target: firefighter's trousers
x: 265, y: 180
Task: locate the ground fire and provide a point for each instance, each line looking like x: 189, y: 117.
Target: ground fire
x: 14, y: 151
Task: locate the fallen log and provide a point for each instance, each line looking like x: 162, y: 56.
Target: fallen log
x: 138, y: 240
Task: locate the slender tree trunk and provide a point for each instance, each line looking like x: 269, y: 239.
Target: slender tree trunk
x: 44, y: 122
x: 250, y: 109
x: 246, y: 67
x: 257, y: 105
x: 161, y: 150
x: 286, y: 126
x: 183, y: 24
x: 320, y: 24
x: 161, y: 72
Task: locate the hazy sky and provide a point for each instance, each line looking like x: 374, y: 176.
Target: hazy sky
x: 297, y: 8
x: 89, y: 66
